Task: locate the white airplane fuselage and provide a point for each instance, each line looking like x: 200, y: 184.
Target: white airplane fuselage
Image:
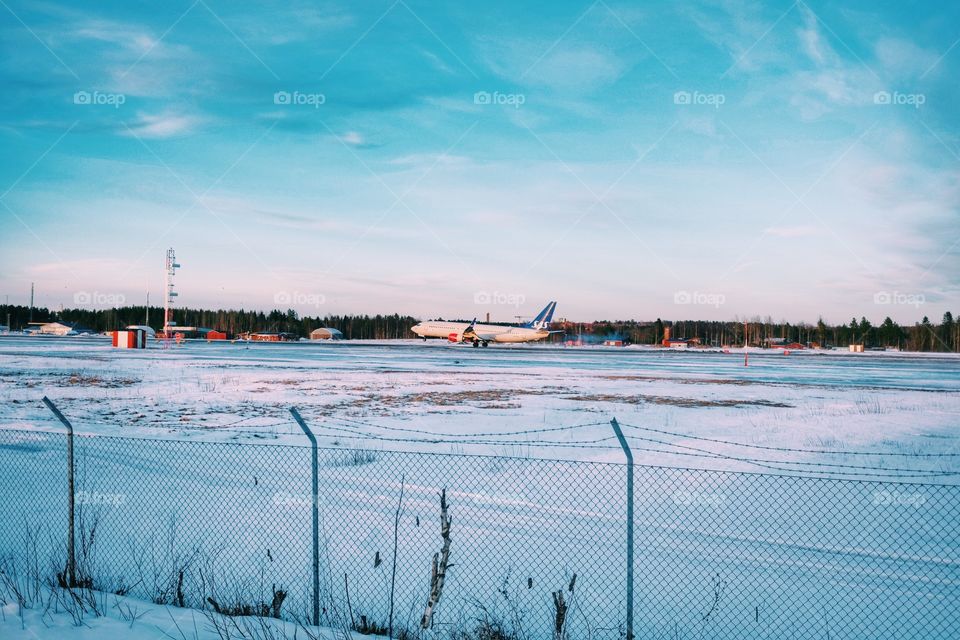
x: 483, y: 334
x: 454, y: 332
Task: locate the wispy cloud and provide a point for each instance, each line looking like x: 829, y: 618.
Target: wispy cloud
x: 353, y: 138
x: 162, y: 125
x: 811, y: 39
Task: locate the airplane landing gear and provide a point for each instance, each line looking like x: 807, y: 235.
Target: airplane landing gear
x: 476, y: 343
x: 485, y: 343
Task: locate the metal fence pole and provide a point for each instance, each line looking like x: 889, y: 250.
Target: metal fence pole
x: 71, y: 576
x: 629, y: 456
x: 316, y: 516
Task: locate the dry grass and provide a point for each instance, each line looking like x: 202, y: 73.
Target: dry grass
x: 351, y: 458
x: 287, y: 382
x: 32, y: 379
x: 457, y: 398
x: 690, y: 403
x: 84, y: 380
x: 723, y: 381
x: 478, y: 399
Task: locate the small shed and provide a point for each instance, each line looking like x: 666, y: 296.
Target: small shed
x: 326, y: 333
x: 130, y: 339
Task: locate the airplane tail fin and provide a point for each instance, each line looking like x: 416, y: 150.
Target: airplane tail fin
x: 543, y: 319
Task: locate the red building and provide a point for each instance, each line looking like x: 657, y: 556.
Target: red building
x: 272, y: 337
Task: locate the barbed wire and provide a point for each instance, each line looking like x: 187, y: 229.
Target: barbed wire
x: 462, y: 440
x: 692, y: 452
x: 701, y: 452
x: 171, y: 425
x: 771, y: 464
x: 790, y: 449
x: 434, y: 435
x: 350, y: 427
x: 572, y: 427
x: 820, y: 467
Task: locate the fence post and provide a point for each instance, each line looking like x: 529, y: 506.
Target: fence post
x: 71, y: 576
x: 629, y: 456
x: 316, y: 516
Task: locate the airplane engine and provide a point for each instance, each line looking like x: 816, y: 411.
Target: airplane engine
x: 454, y: 337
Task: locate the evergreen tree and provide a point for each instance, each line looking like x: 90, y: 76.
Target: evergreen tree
x: 926, y: 334
x: 947, y: 330
x: 866, y: 332
x: 890, y: 333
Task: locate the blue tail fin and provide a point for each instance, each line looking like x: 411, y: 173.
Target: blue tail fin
x: 543, y: 319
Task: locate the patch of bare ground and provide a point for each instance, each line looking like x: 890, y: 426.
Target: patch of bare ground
x: 477, y: 398
x: 767, y: 383
x: 85, y: 380
x: 58, y: 379
x: 454, y: 398
x: 82, y: 380
x: 676, y: 402
x: 729, y: 381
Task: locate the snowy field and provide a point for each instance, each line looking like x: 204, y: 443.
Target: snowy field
x: 719, y: 554
x: 387, y: 395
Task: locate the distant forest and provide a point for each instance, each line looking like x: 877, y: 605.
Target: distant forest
x: 920, y: 336
x: 233, y: 322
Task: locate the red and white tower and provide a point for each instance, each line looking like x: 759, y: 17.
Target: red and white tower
x: 171, y: 271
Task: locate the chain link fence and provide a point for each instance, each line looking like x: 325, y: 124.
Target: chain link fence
x: 537, y: 546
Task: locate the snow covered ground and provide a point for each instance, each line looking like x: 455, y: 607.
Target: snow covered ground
x: 360, y: 393
x: 132, y: 619
x: 781, y: 556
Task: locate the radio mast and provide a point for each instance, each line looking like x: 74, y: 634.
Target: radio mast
x: 171, y: 271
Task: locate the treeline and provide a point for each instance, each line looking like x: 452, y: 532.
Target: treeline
x: 921, y: 336
x: 233, y: 322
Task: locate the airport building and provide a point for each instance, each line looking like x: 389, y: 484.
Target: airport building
x: 58, y: 329
x: 326, y: 333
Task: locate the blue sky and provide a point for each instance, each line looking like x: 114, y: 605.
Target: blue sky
x: 674, y: 160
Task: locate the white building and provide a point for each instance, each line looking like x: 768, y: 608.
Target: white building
x: 62, y: 329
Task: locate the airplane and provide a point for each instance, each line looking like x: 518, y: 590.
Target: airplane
x: 483, y: 334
